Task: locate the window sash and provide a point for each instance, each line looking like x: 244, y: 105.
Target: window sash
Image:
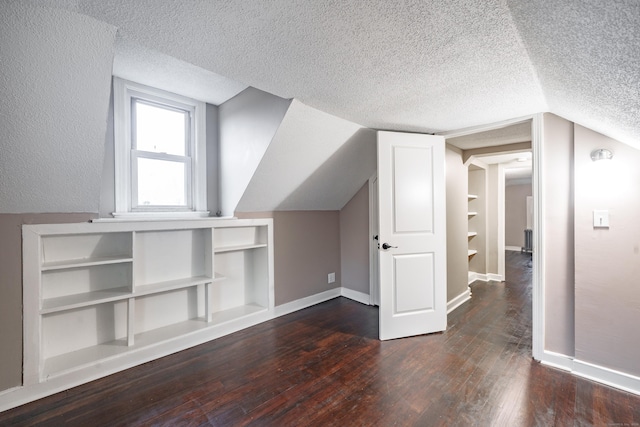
x: 126, y: 155
x: 187, y: 161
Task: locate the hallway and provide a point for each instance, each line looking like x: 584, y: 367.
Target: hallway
x: 325, y: 366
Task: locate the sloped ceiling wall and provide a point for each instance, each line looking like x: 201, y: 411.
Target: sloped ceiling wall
x: 587, y: 57
x: 426, y: 66
x: 315, y: 161
x: 53, y: 113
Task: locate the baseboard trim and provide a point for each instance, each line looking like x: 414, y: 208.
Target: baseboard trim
x: 299, y: 304
x: 557, y: 360
x: 599, y: 374
x: 459, y: 300
x: 356, y: 296
x: 513, y: 248
x: 610, y: 377
x: 490, y: 277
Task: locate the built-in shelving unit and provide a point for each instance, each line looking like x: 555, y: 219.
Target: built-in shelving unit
x: 476, y: 219
x: 471, y: 234
x: 100, y: 297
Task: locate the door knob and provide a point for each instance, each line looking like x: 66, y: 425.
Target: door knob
x: 386, y: 246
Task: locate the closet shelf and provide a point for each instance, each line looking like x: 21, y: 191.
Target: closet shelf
x: 85, y: 262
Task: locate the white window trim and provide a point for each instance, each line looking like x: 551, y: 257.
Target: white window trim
x: 123, y: 91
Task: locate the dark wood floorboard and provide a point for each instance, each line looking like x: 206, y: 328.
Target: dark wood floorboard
x: 324, y: 366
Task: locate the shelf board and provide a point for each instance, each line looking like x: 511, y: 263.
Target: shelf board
x: 472, y: 196
x: 171, y: 285
x: 74, y: 360
x: 472, y: 213
x: 69, y: 302
x: 85, y: 262
x: 230, y: 314
x: 472, y: 252
x: 239, y: 247
x: 472, y: 234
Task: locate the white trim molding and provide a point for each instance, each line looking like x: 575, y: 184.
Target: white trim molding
x: 489, y: 277
x: 299, y: 304
x: 610, y: 377
x: 607, y: 376
x: 356, y: 296
x: 459, y: 300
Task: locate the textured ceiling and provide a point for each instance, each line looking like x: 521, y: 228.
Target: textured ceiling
x: 427, y: 66
x: 143, y: 65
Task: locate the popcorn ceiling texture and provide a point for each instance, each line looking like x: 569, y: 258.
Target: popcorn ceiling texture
x: 417, y: 65
x: 53, y: 110
x: 587, y: 56
x: 147, y: 66
x: 414, y: 65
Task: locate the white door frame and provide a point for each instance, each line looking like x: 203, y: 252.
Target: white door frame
x: 537, y: 146
x: 374, y: 254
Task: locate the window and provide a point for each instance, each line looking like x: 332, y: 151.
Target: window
x: 160, y: 159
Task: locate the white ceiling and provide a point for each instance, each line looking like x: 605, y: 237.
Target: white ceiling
x: 416, y: 65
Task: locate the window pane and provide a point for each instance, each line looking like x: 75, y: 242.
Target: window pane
x: 160, y: 130
x: 161, y: 183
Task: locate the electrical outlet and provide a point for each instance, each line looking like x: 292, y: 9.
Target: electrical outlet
x: 331, y: 278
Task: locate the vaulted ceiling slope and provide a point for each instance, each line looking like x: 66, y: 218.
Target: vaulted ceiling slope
x: 415, y: 65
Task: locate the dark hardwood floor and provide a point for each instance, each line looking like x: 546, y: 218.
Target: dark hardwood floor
x: 325, y: 366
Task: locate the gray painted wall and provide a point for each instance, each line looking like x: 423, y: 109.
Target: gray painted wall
x: 354, y: 242
x: 516, y: 213
x: 607, y: 260
x: 558, y: 235
x: 457, y: 208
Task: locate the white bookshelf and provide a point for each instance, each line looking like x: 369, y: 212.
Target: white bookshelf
x: 120, y: 294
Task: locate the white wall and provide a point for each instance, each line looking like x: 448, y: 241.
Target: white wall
x: 54, y: 86
x: 316, y: 161
x: 247, y: 124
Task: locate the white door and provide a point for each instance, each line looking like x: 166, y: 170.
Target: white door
x: 411, y: 214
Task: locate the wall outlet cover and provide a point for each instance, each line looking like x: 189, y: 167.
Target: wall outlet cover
x: 331, y: 278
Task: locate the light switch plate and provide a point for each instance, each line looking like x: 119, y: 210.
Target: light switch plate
x: 601, y: 219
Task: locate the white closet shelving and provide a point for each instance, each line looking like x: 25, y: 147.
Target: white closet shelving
x: 101, y: 297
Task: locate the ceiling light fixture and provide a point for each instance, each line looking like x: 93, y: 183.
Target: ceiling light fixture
x: 601, y: 154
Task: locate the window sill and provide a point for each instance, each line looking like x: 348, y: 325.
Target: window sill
x: 159, y: 216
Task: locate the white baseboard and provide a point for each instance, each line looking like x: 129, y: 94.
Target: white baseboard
x: 557, y: 360
x: 600, y: 374
x: 459, y: 300
x: 357, y: 296
x: 513, y: 248
x: 299, y: 304
x: 610, y: 377
x: 473, y: 276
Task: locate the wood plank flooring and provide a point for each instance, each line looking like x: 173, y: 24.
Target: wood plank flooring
x: 324, y: 366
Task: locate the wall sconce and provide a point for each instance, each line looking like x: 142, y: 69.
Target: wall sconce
x: 601, y: 154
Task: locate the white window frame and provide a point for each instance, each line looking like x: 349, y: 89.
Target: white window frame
x: 124, y: 92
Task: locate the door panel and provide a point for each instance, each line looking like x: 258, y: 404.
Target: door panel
x: 411, y: 209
